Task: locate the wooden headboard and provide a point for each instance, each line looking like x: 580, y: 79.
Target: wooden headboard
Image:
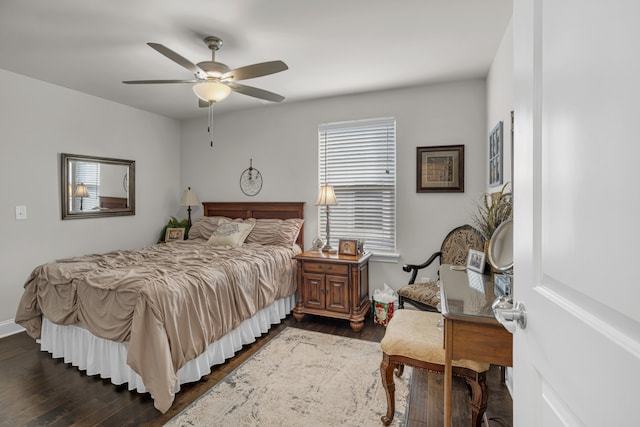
x: 269, y: 210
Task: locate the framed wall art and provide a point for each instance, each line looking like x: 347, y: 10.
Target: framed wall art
x: 440, y: 169
x: 495, y: 156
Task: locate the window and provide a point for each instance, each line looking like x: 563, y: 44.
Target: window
x: 87, y: 173
x: 358, y: 158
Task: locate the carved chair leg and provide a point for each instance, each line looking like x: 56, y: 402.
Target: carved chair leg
x: 386, y: 371
x: 479, y: 397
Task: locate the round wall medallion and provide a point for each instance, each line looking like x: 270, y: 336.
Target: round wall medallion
x: 251, y: 180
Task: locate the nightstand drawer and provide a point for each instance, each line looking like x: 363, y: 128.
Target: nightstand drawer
x: 325, y: 267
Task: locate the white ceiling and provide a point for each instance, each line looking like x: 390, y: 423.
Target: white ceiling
x: 332, y: 47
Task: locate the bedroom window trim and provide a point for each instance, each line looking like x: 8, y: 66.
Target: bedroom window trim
x: 361, y: 166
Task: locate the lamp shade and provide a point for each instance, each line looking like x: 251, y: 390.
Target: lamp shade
x: 326, y: 196
x: 189, y: 198
x: 81, y: 191
x: 211, y: 91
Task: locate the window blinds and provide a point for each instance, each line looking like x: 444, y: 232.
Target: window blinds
x: 87, y: 173
x: 359, y: 159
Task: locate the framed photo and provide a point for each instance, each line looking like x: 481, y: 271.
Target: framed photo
x: 495, y: 156
x: 348, y: 247
x: 174, y: 234
x: 440, y: 169
x: 475, y: 261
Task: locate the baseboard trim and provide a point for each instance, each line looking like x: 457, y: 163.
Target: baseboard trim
x: 9, y: 327
x: 509, y: 380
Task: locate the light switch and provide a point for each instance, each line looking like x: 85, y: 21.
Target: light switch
x: 21, y: 212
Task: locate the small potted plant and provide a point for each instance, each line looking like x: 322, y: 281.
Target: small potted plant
x: 493, y: 210
x: 174, y: 223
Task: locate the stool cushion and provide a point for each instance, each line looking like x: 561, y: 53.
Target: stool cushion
x: 425, y: 292
x: 414, y: 334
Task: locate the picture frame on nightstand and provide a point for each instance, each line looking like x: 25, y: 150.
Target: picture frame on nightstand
x: 347, y: 247
x: 173, y: 234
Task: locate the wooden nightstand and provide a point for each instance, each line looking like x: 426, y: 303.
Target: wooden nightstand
x: 333, y: 285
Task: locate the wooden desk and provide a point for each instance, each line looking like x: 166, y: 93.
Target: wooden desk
x: 470, y: 328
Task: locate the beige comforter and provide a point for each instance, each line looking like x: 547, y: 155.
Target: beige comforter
x: 169, y: 301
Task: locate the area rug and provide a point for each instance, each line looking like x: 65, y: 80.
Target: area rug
x: 301, y: 378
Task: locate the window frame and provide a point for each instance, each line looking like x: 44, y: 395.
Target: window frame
x: 368, y: 185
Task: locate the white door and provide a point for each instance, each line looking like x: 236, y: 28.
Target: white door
x: 577, y: 212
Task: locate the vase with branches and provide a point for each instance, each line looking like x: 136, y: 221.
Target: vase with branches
x: 493, y: 209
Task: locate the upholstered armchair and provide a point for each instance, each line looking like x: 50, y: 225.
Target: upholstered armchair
x: 454, y: 250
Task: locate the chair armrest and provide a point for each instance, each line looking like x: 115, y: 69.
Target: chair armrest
x: 414, y: 268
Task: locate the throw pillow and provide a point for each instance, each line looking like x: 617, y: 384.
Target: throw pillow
x: 231, y: 233
x: 275, y: 231
x: 288, y: 232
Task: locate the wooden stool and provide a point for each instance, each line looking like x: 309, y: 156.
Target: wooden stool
x: 413, y: 338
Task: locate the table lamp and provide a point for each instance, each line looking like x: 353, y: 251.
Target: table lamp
x: 189, y: 199
x: 81, y: 191
x: 327, y: 197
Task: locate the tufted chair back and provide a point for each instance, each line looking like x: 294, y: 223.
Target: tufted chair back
x: 455, y: 247
x: 454, y: 250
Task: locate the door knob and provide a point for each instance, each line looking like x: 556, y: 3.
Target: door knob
x: 508, y: 314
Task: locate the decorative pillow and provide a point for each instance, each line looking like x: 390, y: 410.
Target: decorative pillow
x: 275, y: 231
x: 264, y: 231
x: 231, y: 233
x: 288, y: 232
x: 204, y: 226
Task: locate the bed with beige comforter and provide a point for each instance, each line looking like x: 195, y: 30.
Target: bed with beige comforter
x: 167, y: 301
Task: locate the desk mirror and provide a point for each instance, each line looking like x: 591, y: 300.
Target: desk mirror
x: 501, y: 247
x: 94, y: 187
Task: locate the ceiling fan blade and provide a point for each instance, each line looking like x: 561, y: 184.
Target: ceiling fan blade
x: 177, y: 58
x: 149, y: 82
x: 255, y: 70
x: 255, y: 92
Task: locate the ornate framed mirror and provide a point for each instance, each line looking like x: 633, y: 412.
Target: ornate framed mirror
x: 94, y: 187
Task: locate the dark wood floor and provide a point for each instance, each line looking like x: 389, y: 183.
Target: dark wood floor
x: 36, y: 390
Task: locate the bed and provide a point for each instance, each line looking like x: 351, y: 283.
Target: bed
x: 161, y: 316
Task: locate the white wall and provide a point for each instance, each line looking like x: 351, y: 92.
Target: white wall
x: 500, y: 101
x: 38, y: 121
x: 282, y: 140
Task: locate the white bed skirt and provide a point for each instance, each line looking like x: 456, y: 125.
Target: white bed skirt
x: 98, y: 356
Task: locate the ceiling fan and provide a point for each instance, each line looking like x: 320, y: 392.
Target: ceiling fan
x: 213, y: 80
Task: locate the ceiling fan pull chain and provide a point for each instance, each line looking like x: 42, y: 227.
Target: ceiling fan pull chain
x: 210, y: 128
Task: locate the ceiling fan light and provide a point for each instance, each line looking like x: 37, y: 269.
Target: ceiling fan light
x: 211, y: 91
